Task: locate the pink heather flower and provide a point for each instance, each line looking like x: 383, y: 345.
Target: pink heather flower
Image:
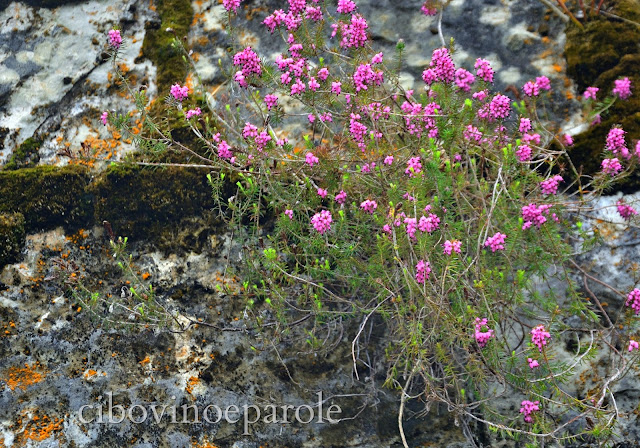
x: 285, y: 78
x: 336, y: 87
x: 590, y: 93
x: 311, y: 118
x: 481, y: 95
x: 568, y: 140
x: 412, y: 226
x: 525, y: 125
x: 388, y: 160
x: 428, y: 11
x: 323, y: 74
x: 289, y: 213
x: 231, y: 4
x: 625, y: 210
x: 452, y: 245
x: 529, y: 408
x: 354, y: 34
x: 313, y: 84
x: 377, y: 58
x: 326, y: 117
x: 523, y: 153
x: 457, y: 157
x: 622, y: 88
x: 386, y: 229
x: 423, y: 269
x: 369, y: 206
x: 539, y: 336
x: 464, y: 79
x: 249, y: 130
x: 104, y: 117
x: 611, y: 166
x: 298, y: 87
x: 442, y: 66
x: 633, y: 345
x: 633, y: 300
x: 271, y: 101
x: 115, y: 40
x: 311, y: 159
x: 322, y: 221
x: 262, y: 139
x: 482, y: 337
x: 534, y: 214
x: 274, y: 20
x: 533, y: 363
x: 341, y: 197
x: 249, y: 61
x: 179, y: 93
x: 531, y: 89
x: 528, y: 138
x: 472, y: 133
x: 346, y: 6
x: 500, y: 107
x: 638, y: 149
x: 484, y: 70
x: 543, y: 82
x: 413, y: 166
x: 596, y: 120
x: 616, y: 143
x: 193, y: 113
x: 365, y: 76
x: 429, y: 224
x: 496, y: 242
x: 296, y: 6
x: 313, y: 13
x: 550, y: 186
x: 322, y: 193
x: 224, y: 150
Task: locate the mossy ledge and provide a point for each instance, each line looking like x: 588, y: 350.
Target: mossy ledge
x: 25, y: 155
x: 607, y: 49
x: 12, y: 237
x: 169, y: 207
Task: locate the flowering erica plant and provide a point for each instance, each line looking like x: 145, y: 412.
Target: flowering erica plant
x: 440, y: 209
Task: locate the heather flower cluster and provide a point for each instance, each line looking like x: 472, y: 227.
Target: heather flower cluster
x: 528, y: 408
x: 540, y: 337
x: 482, y: 332
x: 550, y: 186
x: 496, y: 242
x: 250, y: 63
x: 322, y: 221
x: 622, y: 88
x: 115, y: 39
x: 423, y: 269
x: 625, y: 210
x: 633, y: 300
x: 180, y: 93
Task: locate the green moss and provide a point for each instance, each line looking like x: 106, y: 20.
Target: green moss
x: 158, y: 43
x: 12, y: 237
x: 157, y: 205
x: 25, y: 155
x: 47, y: 196
x: 607, y: 49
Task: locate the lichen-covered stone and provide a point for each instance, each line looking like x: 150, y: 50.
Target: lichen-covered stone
x: 11, y: 237
x: 47, y: 196
x: 607, y: 49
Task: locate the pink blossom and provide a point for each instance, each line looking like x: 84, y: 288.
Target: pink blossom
x: 568, y: 140
x: 423, y: 269
x: 633, y: 345
x: 543, y: 82
x: 500, y: 107
x: 472, y: 133
x: 531, y: 89
x: 298, y: 87
x: 289, y: 213
x: 271, y: 101
x: 249, y: 130
x: 528, y: 138
x: 633, y: 300
x: 427, y: 11
x: 311, y: 159
x: 341, y: 197
x: 388, y: 160
x: 484, y: 70
x: 412, y: 226
x: 323, y: 74
x: 429, y: 224
x: 354, y: 34
x: 346, y: 6
x: 250, y: 63
x: 611, y: 166
x: 528, y: 408
x: 441, y: 67
x: 534, y: 214
x: 539, y: 336
x: 115, y: 40
x: 625, y: 210
x: 104, y: 117
x: 482, y: 337
x: 231, y: 4
x: 336, y: 87
x: 525, y: 125
x: 313, y: 84
x: 377, y: 58
x: 224, y: 150
x: 322, y: 221
x: 496, y: 242
x: 369, y: 206
x: 413, y: 166
x: 481, y: 95
x: 322, y: 193
x: 179, y: 93
x: 622, y: 88
x: 464, y: 79
x: 590, y: 93
x: 313, y: 13
x: 550, y: 186
x: 523, y: 153
x: 452, y: 245
x: 533, y: 363
x: 193, y: 113
x: 274, y: 20
x: 616, y: 143
x: 262, y: 139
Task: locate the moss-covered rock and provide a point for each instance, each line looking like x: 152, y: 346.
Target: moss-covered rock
x: 47, y: 196
x: 158, y: 42
x: 12, y: 237
x: 25, y: 155
x: 607, y: 49
x: 154, y: 204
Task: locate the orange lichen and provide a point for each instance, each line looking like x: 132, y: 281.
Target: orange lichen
x: 145, y: 361
x: 39, y: 428
x: 24, y: 377
x: 191, y: 383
